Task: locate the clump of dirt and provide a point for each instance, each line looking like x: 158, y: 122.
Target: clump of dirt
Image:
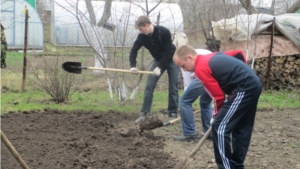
x: 77, y: 140
x: 150, y: 123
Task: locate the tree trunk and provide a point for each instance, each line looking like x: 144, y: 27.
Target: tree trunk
x: 90, y: 9
x: 106, y: 13
x: 294, y: 8
x: 248, y: 6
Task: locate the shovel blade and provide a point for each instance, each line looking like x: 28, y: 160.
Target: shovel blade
x: 72, y: 67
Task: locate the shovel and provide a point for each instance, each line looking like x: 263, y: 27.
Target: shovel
x: 177, y: 119
x: 182, y: 164
x: 150, y: 123
x: 75, y: 67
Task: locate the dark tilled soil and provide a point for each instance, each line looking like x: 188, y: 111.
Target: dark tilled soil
x: 54, y: 139
x: 110, y: 140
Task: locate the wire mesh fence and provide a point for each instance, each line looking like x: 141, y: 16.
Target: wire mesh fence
x: 54, y: 38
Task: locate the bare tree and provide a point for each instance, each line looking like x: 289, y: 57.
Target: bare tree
x: 248, y: 6
x: 90, y: 31
x: 93, y: 34
x: 294, y: 7
x: 90, y: 9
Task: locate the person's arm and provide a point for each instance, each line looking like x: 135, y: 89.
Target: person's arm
x: 239, y: 54
x: 213, y: 89
x: 167, y: 45
x: 204, y: 74
x: 134, y: 50
x: 187, y: 78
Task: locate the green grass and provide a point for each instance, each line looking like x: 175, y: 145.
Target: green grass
x: 15, y: 58
x: 100, y: 101
x: 88, y: 101
x: 275, y: 99
x: 293, y: 145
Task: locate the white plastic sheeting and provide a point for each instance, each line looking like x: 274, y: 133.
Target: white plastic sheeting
x: 66, y: 29
x: 289, y: 26
x: 13, y: 20
x: 242, y: 27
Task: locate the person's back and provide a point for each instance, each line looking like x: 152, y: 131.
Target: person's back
x: 229, y: 73
x: 158, y: 44
x: 223, y: 73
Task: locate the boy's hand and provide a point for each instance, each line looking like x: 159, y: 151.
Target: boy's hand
x: 134, y: 70
x: 211, y: 121
x: 156, y: 71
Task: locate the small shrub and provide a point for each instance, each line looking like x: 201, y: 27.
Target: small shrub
x: 50, y: 78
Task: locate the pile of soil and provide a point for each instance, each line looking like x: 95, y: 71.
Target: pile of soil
x: 150, y: 123
x: 56, y: 139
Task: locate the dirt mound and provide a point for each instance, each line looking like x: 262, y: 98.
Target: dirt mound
x: 150, y: 123
x: 55, y: 139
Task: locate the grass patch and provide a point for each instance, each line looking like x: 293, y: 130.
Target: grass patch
x: 88, y: 101
x: 293, y: 145
x: 16, y: 58
x: 100, y: 101
x: 11, y: 79
x: 279, y: 99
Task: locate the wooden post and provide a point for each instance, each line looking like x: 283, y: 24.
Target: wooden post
x: 270, y: 57
x: 25, y: 49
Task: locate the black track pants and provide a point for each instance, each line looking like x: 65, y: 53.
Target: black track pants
x: 235, y: 117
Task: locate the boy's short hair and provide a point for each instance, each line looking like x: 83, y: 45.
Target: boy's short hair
x: 183, y: 51
x: 142, y: 21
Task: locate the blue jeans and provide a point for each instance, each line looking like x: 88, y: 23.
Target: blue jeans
x: 193, y: 91
x: 172, y: 70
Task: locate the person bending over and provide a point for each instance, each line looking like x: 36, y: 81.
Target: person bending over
x: 194, y: 88
x: 233, y: 115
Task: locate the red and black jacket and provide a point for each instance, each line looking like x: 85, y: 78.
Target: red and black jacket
x: 222, y: 75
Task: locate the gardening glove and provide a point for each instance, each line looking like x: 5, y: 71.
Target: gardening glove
x: 211, y: 120
x: 156, y: 71
x: 134, y: 70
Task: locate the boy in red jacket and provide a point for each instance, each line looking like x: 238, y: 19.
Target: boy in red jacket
x: 233, y: 115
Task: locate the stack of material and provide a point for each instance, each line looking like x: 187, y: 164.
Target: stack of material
x: 284, y: 72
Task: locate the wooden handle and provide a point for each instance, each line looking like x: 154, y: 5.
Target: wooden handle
x: 118, y: 70
x: 177, y: 119
x: 182, y: 164
x: 13, y: 151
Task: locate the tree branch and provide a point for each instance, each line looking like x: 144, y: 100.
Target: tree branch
x: 106, y: 13
x: 294, y: 8
x: 248, y: 6
x: 90, y: 9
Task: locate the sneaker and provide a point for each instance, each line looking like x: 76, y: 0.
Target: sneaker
x: 185, y: 138
x: 142, y: 117
x: 209, y: 137
x: 172, y: 116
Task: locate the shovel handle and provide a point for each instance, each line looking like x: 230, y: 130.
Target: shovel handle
x: 13, y: 151
x: 177, y: 119
x: 182, y: 164
x: 117, y: 70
